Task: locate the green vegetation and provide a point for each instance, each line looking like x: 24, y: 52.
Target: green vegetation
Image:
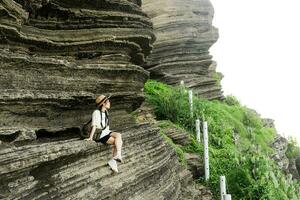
x: 232, y: 101
x: 239, y: 143
x: 218, y: 77
x: 293, y: 150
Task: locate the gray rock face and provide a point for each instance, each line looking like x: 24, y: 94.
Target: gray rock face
x: 269, y: 123
x: 294, y: 168
x: 56, y: 56
x: 178, y: 135
x: 75, y: 169
x: 298, y: 166
x: 280, y: 146
x: 195, y: 165
x: 184, y: 34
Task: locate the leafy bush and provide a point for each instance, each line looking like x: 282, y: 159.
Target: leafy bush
x: 239, y: 143
x: 232, y: 100
x: 293, y: 150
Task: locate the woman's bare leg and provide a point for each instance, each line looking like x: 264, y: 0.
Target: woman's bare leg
x: 114, y: 150
x: 111, y: 140
x: 118, y: 143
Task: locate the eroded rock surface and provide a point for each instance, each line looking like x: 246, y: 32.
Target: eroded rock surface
x: 76, y: 169
x: 294, y: 168
x: 297, y: 162
x: 184, y: 34
x: 288, y: 165
x: 280, y: 146
x: 56, y: 56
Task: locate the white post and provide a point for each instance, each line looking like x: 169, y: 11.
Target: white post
x: 206, y: 158
x: 222, y: 187
x: 191, y: 101
x: 182, y: 89
x: 198, y: 130
x: 227, y: 197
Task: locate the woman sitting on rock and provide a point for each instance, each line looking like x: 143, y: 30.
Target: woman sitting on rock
x: 100, y: 122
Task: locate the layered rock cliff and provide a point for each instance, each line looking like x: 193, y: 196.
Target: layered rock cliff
x: 184, y: 34
x: 55, y: 57
x: 74, y: 169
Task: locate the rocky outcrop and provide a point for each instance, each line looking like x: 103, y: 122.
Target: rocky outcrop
x: 269, y: 123
x: 287, y: 165
x: 280, y: 146
x: 195, y: 165
x: 184, y: 34
x: 57, y: 55
x: 182, y: 138
x: 69, y: 168
x: 297, y: 162
x: 178, y: 135
x: 294, y: 167
x: 59, y: 165
x: 145, y: 114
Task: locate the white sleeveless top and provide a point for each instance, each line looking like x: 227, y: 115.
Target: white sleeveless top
x: 96, y: 121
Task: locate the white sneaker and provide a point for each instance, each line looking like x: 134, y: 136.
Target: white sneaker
x: 113, y: 165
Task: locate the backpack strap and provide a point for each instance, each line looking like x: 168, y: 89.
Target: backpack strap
x: 106, y: 119
x: 88, y: 121
x: 101, y: 120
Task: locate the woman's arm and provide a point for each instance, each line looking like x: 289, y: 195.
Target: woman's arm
x: 92, y: 133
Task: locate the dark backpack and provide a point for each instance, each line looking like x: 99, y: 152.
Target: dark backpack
x: 86, y: 128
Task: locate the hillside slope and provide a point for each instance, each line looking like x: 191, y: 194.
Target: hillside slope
x: 241, y: 146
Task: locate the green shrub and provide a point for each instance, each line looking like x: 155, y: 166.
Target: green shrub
x: 293, y: 150
x: 232, y: 100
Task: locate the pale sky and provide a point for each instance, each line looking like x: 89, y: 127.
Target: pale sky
x: 258, y: 53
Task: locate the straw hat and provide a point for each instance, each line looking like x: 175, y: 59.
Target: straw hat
x: 101, y: 99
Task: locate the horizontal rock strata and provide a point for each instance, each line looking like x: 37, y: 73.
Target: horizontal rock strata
x: 75, y: 169
x: 57, y: 55
x: 184, y: 34
x: 177, y: 135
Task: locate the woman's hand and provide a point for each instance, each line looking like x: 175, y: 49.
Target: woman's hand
x: 88, y: 139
